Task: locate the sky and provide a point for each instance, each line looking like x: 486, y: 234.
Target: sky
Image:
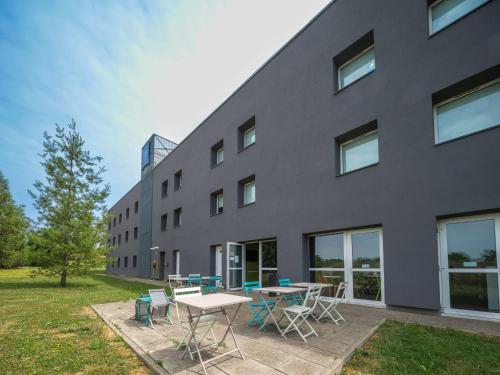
x: 124, y: 70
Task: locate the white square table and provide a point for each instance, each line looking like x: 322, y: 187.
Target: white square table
x: 207, y: 305
x: 281, y: 292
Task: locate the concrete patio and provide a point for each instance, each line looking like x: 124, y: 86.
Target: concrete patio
x: 266, y: 352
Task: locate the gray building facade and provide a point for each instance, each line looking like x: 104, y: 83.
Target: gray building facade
x: 367, y: 150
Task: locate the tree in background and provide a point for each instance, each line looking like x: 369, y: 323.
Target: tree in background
x: 13, y: 228
x: 71, y: 235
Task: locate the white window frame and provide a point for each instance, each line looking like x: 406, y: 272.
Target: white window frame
x: 254, y: 193
x: 348, y: 269
x: 349, y: 62
x: 217, y: 206
x: 429, y: 16
x: 245, y: 134
x: 444, y: 270
x: 456, y: 97
x: 219, y: 151
x: 342, y: 145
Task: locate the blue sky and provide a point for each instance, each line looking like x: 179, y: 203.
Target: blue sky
x: 124, y: 70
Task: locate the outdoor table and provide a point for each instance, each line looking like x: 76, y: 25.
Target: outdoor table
x: 143, y: 300
x: 281, y: 292
x: 207, y: 305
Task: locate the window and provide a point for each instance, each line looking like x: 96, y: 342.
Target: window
x: 246, y: 134
x: 178, y: 217
x: 114, y: 222
x: 126, y: 236
x: 135, y: 233
x: 358, y: 67
x: 359, y: 152
x: 134, y: 261
x: 269, y: 269
x: 468, y: 113
x: 470, y: 265
x: 246, y: 191
x: 216, y: 202
x: 119, y: 239
x: 120, y: 219
x: 163, y: 225
x: 109, y: 225
x: 217, y: 154
x: 444, y: 12
x: 127, y: 213
x: 355, y: 61
x: 178, y: 180
x: 113, y: 262
x: 164, y: 188
x: 114, y: 241
x: 136, y: 207
x: 118, y: 262
x: 125, y: 262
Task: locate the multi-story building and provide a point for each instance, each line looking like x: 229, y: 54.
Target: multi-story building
x: 367, y: 149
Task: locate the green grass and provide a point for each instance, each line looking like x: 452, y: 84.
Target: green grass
x: 401, y: 348
x: 45, y: 329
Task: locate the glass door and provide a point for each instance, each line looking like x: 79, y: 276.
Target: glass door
x: 469, y: 263
x: 252, y: 260
x: 234, y: 265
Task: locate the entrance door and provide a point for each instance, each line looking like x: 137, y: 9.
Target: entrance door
x: 469, y: 261
x: 234, y: 265
x: 252, y: 261
x: 218, y: 260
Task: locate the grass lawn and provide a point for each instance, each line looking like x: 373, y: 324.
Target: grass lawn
x: 401, y: 348
x: 45, y: 329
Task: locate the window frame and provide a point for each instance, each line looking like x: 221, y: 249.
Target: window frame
x: 352, y: 60
x: 163, y: 222
x: 178, y: 217
x: 219, y: 209
x: 178, y: 180
x: 254, y: 193
x: 452, y: 99
x: 245, y: 132
x: 429, y: 16
x: 341, y: 146
x: 217, y: 153
x: 164, y: 189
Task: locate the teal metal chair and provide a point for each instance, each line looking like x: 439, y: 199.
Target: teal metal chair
x: 260, y: 310
x: 214, y: 283
x: 293, y: 299
x: 194, y: 280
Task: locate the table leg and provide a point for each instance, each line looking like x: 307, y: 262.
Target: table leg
x: 230, y: 329
x: 192, y: 337
x: 271, y: 315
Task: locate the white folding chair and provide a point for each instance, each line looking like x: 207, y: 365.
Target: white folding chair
x: 298, y: 314
x: 329, y: 305
x: 159, y: 302
x: 206, y: 322
x: 174, y: 281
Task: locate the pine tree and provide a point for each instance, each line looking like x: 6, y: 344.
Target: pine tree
x: 70, y: 239
x: 13, y: 228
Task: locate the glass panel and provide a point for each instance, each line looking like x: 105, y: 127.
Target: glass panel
x: 360, y: 153
x: 252, y: 262
x: 447, y: 11
x: 365, y: 250
x: 269, y: 278
x: 326, y: 251
x: 220, y: 201
x: 235, y: 260
x: 249, y: 193
x: 474, y: 291
x: 235, y: 278
x: 367, y: 285
x: 357, y: 68
x: 269, y: 254
x: 328, y: 277
x: 220, y: 155
x: 468, y: 114
x: 249, y: 137
x: 471, y: 244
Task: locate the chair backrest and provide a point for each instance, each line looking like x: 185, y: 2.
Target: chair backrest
x: 194, y: 275
x: 174, y: 281
x: 158, y: 297
x: 213, y: 281
x: 248, y: 286
x: 340, y: 291
x: 194, y: 280
x: 313, y: 293
x: 182, y: 293
x: 284, y: 282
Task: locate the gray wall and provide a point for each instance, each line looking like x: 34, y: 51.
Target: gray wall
x: 298, y: 117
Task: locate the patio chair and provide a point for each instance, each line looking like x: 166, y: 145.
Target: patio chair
x: 194, y: 280
x: 205, y: 324
x: 159, y: 302
x: 329, y: 305
x: 260, y: 310
x: 174, y: 281
x: 213, y: 284
x: 293, y: 299
x: 297, y: 314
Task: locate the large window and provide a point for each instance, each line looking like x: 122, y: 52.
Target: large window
x: 269, y: 267
x: 444, y: 12
x: 356, y: 68
x: 468, y: 113
x: 354, y: 257
x: 470, y: 265
x: 359, y: 152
